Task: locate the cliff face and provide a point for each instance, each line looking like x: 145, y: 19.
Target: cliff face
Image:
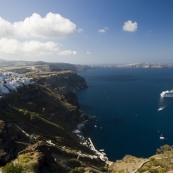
x: 46, y: 111
x: 61, y: 82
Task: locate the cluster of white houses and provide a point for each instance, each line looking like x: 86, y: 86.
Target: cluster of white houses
x: 10, y: 81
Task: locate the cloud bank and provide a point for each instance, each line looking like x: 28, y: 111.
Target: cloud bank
x: 51, y: 26
x: 12, y: 47
x: 31, y: 29
x: 130, y: 26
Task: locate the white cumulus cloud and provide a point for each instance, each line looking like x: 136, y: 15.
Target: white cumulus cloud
x: 67, y: 52
x: 130, y: 26
x: 88, y: 52
x: 103, y: 30
x: 51, y: 26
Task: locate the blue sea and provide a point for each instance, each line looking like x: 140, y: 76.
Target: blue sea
x: 123, y: 108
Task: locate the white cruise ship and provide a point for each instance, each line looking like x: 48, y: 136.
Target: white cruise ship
x: 167, y: 93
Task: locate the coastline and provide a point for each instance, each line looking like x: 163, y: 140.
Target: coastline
x: 88, y: 143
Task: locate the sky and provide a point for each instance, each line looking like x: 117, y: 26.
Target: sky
x: 87, y: 31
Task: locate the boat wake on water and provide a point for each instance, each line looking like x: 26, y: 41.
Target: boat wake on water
x: 165, y: 100
x: 161, y: 108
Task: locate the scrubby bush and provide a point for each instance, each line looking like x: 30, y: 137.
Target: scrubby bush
x: 141, y: 170
x: 10, y: 168
x: 78, y: 170
x: 104, y: 169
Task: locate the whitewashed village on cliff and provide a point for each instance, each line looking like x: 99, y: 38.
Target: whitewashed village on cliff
x: 10, y: 81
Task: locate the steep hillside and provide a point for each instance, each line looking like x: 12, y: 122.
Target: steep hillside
x: 45, y: 114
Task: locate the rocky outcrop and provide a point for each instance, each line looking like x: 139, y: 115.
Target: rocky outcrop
x: 37, y: 158
x: 43, y: 149
x: 72, y: 98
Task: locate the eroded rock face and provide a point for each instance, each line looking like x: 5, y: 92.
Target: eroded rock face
x: 31, y: 95
x: 8, y: 147
x: 4, y: 104
x: 61, y: 82
x: 72, y: 98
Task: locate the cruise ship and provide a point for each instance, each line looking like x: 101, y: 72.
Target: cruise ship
x: 167, y: 93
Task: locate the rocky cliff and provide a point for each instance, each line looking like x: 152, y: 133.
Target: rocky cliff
x: 37, y: 123
x: 61, y: 82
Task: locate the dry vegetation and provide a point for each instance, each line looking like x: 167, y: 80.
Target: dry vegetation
x: 127, y: 165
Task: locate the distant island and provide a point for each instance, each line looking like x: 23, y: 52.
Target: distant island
x: 145, y: 65
x: 28, y: 66
x: 136, y: 65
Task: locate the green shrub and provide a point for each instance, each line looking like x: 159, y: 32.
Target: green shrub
x: 10, y: 168
x: 81, y: 169
x: 78, y: 170
x: 104, y: 169
x: 161, y: 170
x: 31, y: 166
x: 141, y: 170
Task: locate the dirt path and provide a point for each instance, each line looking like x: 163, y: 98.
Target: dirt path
x: 140, y: 166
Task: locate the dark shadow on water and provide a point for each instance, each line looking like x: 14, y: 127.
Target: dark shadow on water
x: 86, y: 107
x: 93, y: 125
x: 119, y: 78
x: 89, y: 128
x: 90, y: 85
x: 116, y: 121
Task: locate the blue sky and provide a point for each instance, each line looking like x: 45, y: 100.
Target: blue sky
x: 87, y: 31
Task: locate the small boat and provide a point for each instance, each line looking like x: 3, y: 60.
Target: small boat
x: 161, y: 108
x: 102, y: 150
x: 161, y: 137
x: 95, y: 126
